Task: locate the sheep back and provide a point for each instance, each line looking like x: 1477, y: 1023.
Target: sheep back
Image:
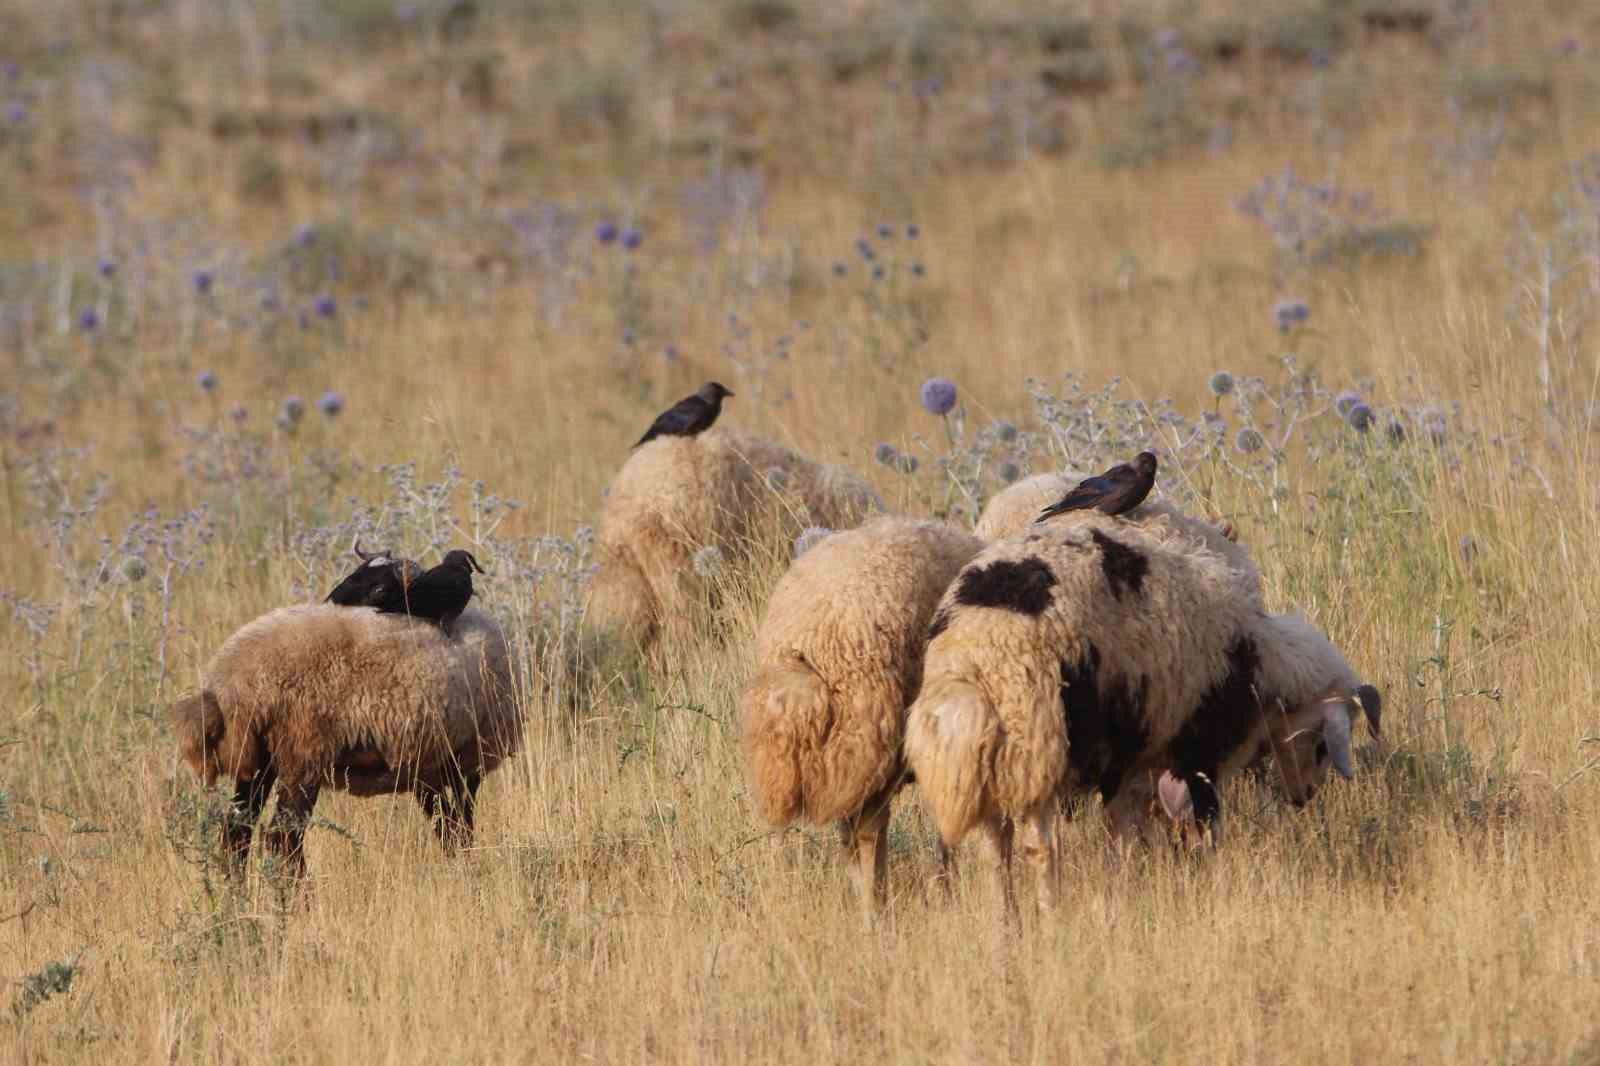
x: 1070, y: 652
x: 677, y: 495
x: 839, y: 657
x: 1014, y: 509
x: 327, y: 686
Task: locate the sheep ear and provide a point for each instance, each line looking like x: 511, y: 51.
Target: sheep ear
x: 1372, y: 705
x: 1336, y: 733
x: 1175, y: 798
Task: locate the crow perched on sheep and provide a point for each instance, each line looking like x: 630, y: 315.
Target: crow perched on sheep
x: 690, y: 416
x: 400, y: 586
x: 1117, y: 491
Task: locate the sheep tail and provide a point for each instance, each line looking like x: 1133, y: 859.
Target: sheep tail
x: 952, y: 735
x: 786, y: 717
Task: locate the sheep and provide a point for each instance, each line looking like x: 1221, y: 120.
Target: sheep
x: 839, y: 656
x: 1015, y: 508
x: 310, y: 696
x: 1098, y: 653
x: 678, y: 495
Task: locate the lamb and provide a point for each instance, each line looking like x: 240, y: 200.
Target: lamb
x: 839, y: 659
x: 311, y: 696
x: 1098, y: 654
x: 678, y: 495
x: 1016, y: 507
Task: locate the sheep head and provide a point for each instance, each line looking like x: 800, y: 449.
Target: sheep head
x: 1308, y: 739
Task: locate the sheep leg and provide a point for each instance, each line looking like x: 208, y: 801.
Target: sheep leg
x: 286, y: 836
x: 997, y: 839
x: 868, y: 833
x: 249, y: 797
x: 1038, y: 840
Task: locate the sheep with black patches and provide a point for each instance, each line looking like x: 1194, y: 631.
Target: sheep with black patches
x: 676, y: 496
x: 1016, y: 507
x: 839, y: 658
x: 308, y: 697
x: 1097, y: 653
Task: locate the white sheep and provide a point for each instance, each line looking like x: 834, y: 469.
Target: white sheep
x: 320, y: 696
x: 839, y: 658
x: 676, y: 496
x: 1088, y: 655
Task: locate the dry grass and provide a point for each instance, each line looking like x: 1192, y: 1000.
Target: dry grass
x: 621, y: 904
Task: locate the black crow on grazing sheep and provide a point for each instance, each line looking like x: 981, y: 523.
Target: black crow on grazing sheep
x: 1117, y: 491
x: 400, y: 586
x: 690, y: 416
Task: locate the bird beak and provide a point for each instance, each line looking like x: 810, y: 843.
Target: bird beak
x: 474, y: 563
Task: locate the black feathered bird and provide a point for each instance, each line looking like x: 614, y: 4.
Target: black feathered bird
x: 690, y: 416
x: 380, y: 581
x: 400, y: 586
x: 440, y: 593
x: 1117, y: 491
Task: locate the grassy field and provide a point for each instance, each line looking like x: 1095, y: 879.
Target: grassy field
x: 1338, y: 260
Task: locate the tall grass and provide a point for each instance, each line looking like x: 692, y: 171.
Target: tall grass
x: 399, y: 204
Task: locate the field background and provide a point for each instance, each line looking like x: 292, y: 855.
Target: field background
x: 208, y: 208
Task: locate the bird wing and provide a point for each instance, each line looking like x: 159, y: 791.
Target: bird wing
x: 1129, y: 493
x: 681, y: 416
x: 1085, y: 494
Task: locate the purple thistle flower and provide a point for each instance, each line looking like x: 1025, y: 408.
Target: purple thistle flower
x: 809, y: 538
x: 606, y: 232
x: 17, y: 113
x: 938, y: 396
x: 670, y: 353
x: 1290, y: 313
x: 238, y: 412
x: 917, y: 270
x: 885, y: 453
x: 885, y: 231
x: 864, y: 246
x: 206, y: 380
x: 305, y: 235
x: 1345, y: 401
x: 1359, y: 418
x: 878, y: 273
x: 839, y: 270
x: 913, y: 232
x: 331, y: 404
x: 1249, y: 440
x: 294, y: 408
x: 631, y: 239
x: 203, y: 280
x: 88, y: 320
x: 106, y: 267
x: 1220, y: 383
x: 326, y: 307
x: 1008, y: 472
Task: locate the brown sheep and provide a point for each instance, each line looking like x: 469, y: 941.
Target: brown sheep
x: 325, y: 696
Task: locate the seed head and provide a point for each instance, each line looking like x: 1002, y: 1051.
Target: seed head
x: 1220, y: 383
x: 1249, y: 440
x: 708, y: 561
x: 885, y: 453
x: 938, y: 396
x: 808, y: 539
x: 331, y: 404
x: 632, y: 238
x: 294, y: 409
x: 606, y: 232
x: 206, y: 380
x: 1345, y: 401
x: 1359, y: 418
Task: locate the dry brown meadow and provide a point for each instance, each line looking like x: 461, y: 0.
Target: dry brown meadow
x: 400, y: 204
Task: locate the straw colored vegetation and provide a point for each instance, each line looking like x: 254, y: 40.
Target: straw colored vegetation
x: 402, y: 206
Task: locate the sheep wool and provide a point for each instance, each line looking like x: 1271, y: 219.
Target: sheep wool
x: 311, y: 696
x: 1081, y: 655
x: 839, y: 658
x: 1017, y: 506
x: 677, y: 495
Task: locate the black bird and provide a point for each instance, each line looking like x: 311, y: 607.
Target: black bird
x: 380, y: 581
x: 1117, y: 491
x: 690, y: 416
x: 441, y: 593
